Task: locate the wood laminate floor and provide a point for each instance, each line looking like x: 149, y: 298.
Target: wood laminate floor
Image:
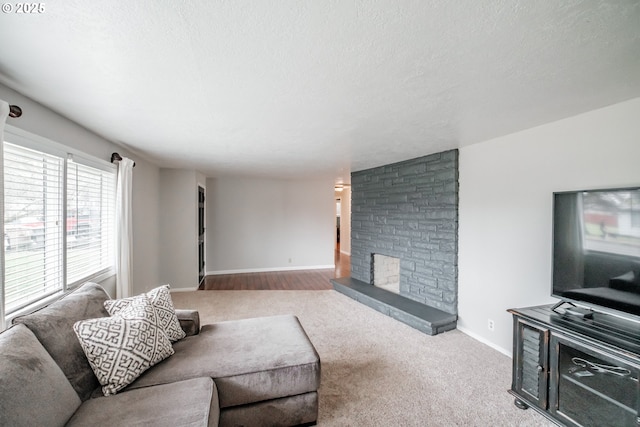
x: 297, y: 280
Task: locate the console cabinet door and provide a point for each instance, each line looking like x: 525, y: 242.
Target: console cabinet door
x: 592, y: 386
x: 530, y: 363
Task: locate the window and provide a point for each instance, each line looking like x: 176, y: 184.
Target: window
x: 59, y: 222
x: 90, y: 221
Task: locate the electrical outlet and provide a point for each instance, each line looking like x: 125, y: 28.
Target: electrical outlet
x: 491, y: 325
x: 289, y: 260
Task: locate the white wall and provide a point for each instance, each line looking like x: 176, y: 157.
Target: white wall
x: 42, y: 121
x: 506, y: 187
x: 178, y: 211
x: 345, y: 221
x: 267, y: 224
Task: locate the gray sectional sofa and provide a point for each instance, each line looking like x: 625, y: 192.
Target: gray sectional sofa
x: 253, y: 372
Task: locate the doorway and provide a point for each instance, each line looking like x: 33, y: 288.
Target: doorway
x: 201, y: 269
x: 338, y: 207
x: 342, y: 236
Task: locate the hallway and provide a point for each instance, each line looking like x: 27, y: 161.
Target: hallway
x: 291, y: 280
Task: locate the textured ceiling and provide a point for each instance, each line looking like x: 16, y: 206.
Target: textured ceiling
x: 300, y: 88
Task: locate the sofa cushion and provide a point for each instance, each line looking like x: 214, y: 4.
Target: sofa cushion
x: 250, y: 360
x: 160, y: 297
x: 33, y: 389
x: 121, y: 347
x: 183, y: 403
x: 53, y: 326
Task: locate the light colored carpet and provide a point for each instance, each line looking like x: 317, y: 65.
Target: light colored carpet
x: 377, y: 371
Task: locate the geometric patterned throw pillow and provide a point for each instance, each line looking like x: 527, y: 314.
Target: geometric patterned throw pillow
x: 121, y: 347
x: 160, y: 297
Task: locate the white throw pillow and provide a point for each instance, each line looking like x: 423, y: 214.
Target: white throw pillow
x: 120, y: 348
x: 160, y: 297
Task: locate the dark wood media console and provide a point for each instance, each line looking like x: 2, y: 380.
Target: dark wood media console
x: 577, y: 370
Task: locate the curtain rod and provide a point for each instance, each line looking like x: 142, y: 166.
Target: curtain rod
x: 115, y: 157
x: 15, y: 111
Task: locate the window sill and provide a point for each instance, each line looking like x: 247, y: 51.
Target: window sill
x: 37, y: 305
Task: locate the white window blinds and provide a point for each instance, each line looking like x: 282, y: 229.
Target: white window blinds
x: 90, y: 221
x: 59, y: 221
x: 32, y: 233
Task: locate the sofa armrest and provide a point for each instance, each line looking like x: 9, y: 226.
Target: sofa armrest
x: 189, y: 321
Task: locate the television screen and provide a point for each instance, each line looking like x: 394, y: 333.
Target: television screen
x: 596, y: 248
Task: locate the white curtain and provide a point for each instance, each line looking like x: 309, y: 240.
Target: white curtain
x: 4, y: 113
x: 124, y: 236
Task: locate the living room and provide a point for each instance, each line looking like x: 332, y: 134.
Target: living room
x: 584, y: 136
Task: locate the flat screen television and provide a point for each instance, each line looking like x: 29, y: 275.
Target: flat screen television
x: 596, y: 249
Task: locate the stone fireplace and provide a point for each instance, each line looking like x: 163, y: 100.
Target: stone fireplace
x: 386, y: 272
x: 409, y: 211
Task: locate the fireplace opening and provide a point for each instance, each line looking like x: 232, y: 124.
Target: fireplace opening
x: 386, y: 272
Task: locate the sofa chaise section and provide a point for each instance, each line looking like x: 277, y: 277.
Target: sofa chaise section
x: 258, y: 372
x: 268, y: 361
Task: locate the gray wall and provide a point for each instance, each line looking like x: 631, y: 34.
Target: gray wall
x: 178, y: 249
x: 258, y: 224
x: 409, y: 210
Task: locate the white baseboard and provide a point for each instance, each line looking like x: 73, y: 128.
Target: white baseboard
x: 266, y: 270
x: 485, y: 341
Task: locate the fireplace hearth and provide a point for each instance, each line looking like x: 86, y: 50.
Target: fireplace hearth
x: 427, y: 319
